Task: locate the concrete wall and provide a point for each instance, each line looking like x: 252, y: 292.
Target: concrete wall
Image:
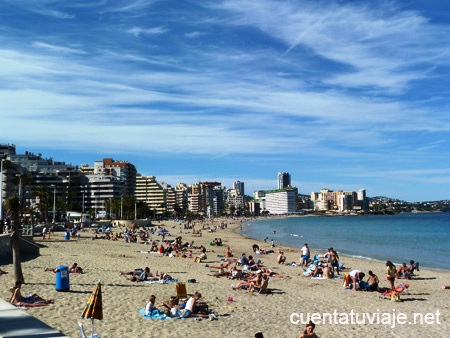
x: 27, y: 246
x: 4, y: 245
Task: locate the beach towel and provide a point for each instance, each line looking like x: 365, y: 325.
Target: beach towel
x: 155, y: 314
x: 174, y: 280
x: 335, y: 277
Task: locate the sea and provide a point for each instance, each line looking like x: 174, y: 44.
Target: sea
x: 423, y: 237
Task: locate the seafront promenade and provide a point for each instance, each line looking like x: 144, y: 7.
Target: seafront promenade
x: 16, y: 322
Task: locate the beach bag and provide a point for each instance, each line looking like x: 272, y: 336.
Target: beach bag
x: 181, y: 290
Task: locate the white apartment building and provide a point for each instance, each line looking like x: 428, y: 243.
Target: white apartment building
x: 101, y: 188
x: 159, y: 197
x: 282, y: 201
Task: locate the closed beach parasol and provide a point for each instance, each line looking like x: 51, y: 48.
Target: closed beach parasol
x: 93, y: 308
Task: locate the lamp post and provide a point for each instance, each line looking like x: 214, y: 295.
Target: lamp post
x: 54, y: 202
x: 82, y: 208
x: 20, y: 187
x: 121, y: 207
x: 1, y: 191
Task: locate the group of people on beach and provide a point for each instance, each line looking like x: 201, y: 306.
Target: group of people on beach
x: 189, y: 307
x: 355, y: 278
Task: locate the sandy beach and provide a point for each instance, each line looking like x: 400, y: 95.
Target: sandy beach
x: 279, y: 314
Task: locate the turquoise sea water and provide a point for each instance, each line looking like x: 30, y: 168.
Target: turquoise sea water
x: 424, y: 237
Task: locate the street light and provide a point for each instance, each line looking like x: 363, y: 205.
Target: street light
x: 54, y: 202
x: 1, y: 191
x: 121, y: 207
x: 20, y: 188
x: 82, y: 208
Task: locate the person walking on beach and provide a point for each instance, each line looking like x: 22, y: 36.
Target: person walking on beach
x: 391, y: 272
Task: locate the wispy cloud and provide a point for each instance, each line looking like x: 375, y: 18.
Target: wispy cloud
x: 136, y: 31
x: 266, y: 83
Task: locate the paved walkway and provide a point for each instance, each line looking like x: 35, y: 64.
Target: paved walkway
x: 15, y: 322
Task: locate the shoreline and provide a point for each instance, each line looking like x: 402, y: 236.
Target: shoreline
x: 246, y: 314
x: 313, y: 247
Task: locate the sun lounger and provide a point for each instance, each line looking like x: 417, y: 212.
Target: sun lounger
x: 394, y: 295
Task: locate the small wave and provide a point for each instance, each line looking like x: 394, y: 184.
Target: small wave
x: 362, y: 257
x: 295, y: 235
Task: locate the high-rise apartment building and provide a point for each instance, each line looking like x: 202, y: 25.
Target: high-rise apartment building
x: 125, y: 171
x: 339, y: 200
x: 159, y: 196
x: 239, y: 187
x: 281, y: 201
x: 284, y: 180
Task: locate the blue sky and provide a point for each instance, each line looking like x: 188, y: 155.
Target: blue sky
x: 340, y: 94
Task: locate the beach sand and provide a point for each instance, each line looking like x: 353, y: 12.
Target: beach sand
x: 272, y: 314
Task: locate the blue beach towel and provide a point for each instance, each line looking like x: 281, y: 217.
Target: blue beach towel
x: 155, y: 314
x: 164, y: 281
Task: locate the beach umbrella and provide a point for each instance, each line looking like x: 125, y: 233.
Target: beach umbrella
x: 94, y: 309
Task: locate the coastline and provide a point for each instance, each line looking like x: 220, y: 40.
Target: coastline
x: 242, y: 317
x: 322, y: 250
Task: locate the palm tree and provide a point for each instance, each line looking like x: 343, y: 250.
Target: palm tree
x: 128, y: 206
x: 13, y: 207
x: 45, y: 202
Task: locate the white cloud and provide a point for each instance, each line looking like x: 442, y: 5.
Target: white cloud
x: 136, y: 31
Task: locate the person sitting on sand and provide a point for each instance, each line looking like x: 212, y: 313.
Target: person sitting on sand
x: 309, y: 331
x: 243, y: 260
x: 246, y: 284
x: 252, y: 264
x: 261, y: 284
x: 228, y: 252
x: 281, y: 258
x: 318, y: 271
x: 403, y: 271
x: 328, y: 272
x: 19, y: 300
x: 150, y: 305
x: 373, y: 281
x: 190, y: 305
x: 413, y: 266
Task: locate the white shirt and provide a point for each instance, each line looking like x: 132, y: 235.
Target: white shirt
x: 149, y: 308
x: 305, y: 251
x: 354, y: 273
x: 190, y: 304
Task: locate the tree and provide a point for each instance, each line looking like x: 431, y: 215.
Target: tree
x: 13, y: 207
x: 45, y: 202
x: 128, y: 206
